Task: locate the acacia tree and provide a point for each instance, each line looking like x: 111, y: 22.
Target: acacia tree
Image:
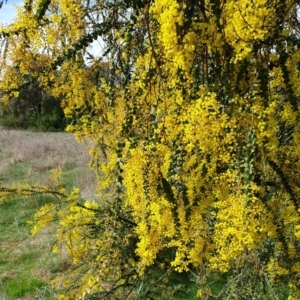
x: 195, y: 122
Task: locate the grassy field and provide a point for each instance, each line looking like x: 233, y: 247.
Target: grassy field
x: 26, y: 262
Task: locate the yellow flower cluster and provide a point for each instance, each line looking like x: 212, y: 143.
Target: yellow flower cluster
x: 194, y: 127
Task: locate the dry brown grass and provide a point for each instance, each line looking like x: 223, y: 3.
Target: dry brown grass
x: 30, y: 155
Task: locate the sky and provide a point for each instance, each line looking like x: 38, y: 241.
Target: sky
x: 8, y: 11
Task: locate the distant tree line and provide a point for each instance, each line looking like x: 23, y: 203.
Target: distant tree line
x: 33, y: 108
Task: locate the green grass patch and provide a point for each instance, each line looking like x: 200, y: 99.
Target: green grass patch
x: 22, y: 255
x: 16, y: 172
x: 24, y: 258
x: 15, y: 215
x: 18, y: 287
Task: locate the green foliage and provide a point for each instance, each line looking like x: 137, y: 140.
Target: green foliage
x: 10, y: 121
x: 33, y: 109
x: 184, y: 286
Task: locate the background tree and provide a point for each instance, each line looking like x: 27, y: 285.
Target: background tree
x: 32, y: 106
x: 196, y: 134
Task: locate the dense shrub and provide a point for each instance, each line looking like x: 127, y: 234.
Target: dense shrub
x: 193, y: 122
